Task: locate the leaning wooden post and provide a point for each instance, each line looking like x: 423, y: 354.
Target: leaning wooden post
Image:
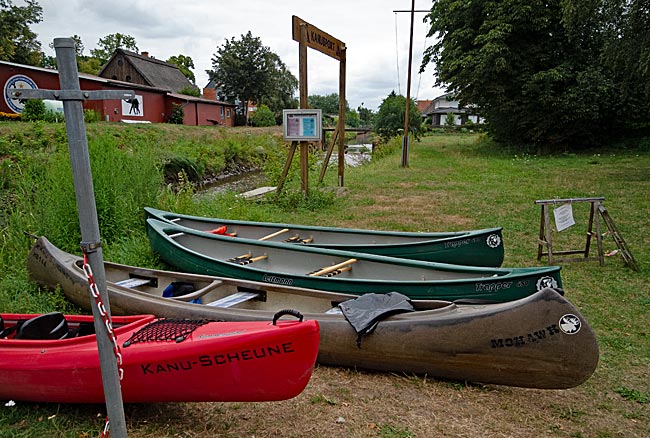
x: 72, y: 98
x: 407, y: 140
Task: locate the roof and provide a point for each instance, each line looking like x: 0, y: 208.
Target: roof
x: 87, y: 76
x: 157, y: 73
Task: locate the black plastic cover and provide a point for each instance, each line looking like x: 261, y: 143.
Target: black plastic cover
x: 365, y: 312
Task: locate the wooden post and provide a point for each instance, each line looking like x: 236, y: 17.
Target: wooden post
x: 406, y: 141
x: 341, y: 124
x: 304, y: 104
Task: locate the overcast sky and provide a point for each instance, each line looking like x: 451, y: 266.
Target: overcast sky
x: 377, y: 38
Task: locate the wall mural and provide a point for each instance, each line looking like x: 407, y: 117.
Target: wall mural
x: 133, y: 107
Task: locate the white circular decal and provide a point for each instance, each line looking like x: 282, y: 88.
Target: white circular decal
x: 493, y: 241
x: 545, y: 282
x: 17, y: 82
x: 570, y: 324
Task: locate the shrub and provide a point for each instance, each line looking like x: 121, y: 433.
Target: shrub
x: 34, y: 110
x: 190, y: 90
x: 177, y: 115
x: 263, y: 116
x: 91, y: 116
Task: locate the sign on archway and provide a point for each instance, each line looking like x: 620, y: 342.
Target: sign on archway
x: 308, y: 35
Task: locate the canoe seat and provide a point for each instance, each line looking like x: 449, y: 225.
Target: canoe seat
x: 133, y: 282
x: 234, y: 299
x: 48, y: 326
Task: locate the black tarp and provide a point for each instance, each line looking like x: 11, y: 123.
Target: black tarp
x: 365, y: 312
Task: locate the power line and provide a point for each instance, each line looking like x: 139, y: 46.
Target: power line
x: 399, y: 87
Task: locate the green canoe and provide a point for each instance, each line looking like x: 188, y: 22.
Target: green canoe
x: 472, y: 248
x: 340, y: 271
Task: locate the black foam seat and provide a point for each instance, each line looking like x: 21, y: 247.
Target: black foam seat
x: 48, y: 326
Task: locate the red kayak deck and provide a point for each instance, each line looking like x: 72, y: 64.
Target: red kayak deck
x: 217, y: 361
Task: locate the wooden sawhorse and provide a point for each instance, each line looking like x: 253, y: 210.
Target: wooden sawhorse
x: 545, y: 233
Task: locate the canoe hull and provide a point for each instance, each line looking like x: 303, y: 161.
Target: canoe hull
x: 472, y: 248
x: 216, y: 362
x: 518, y: 343
x: 188, y: 250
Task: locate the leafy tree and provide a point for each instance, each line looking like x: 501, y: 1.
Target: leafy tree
x: 391, y: 115
x: 366, y: 116
x: 535, y: 70
x: 352, y: 119
x: 107, y: 45
x: 184, y: 64
x: 263, y: 116
x: 282, y: 88
x: 190, y: 90
x: 247, y: 70
x: 48, y: 61
x: 18, y: 42
x: 328, y: 104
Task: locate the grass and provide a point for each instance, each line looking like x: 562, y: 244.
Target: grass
x: 454, y: 182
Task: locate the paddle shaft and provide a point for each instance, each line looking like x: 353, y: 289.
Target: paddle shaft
x: 272, y: 235
x: 332, y: 268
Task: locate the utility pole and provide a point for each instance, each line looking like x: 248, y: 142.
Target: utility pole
x: 72, y: 98
x: 406, y: 139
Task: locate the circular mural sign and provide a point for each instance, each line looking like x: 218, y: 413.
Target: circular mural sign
x: 17, y: 82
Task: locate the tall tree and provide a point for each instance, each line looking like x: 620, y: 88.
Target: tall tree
x: 389, y: 121
x: 533, y: 68
x: 18, y: 42
x: 329, y: 104
x: 249, y: 71
x: 107, y: 45
x: 184, y: 64
x: 282, y: 88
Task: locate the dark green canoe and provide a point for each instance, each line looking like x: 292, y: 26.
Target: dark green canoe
x: 473, y: 248
x: 340, y: 271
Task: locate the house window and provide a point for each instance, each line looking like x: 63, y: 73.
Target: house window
x: 120, y: 62
x: 228, y: 113
x: 222, y: 111
x: 128, y: 78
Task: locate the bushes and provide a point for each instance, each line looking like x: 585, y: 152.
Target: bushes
x: 263, y: 116
x: 34, y: 110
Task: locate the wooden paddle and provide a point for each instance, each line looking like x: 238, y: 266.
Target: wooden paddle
x: 272, y: 235
x: 329, y: 269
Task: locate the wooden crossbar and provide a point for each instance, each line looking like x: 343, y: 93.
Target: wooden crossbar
x: 272, y: 235
x: 329, y: 269
x: 245, y: 259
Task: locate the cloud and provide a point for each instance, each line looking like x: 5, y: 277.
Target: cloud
x: 376, y: 37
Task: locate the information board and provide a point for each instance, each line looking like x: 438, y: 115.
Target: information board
x: 302, y: 124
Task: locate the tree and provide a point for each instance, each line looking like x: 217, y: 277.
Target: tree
x: 328, y: 104
x: 534, y: 70
x: 184, y: 64
x: 366, y: 116
x: 110, y: 43
x: 18, y: 42
x: 281, y: 92
x: 247, y: 70
x: 391, y: 115
x: 48, y: 61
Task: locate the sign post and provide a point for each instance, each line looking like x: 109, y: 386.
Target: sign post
x: 308, y: 35
x: 72, y: 98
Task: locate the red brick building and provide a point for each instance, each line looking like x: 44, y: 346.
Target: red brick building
x: 155, y: 83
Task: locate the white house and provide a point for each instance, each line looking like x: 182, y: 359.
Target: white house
x: 443, y: 105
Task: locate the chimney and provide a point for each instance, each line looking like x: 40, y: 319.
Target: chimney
x: 210, y: 93
x: 145, y: 54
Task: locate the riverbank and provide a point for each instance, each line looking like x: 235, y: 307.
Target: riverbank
x: 454, y: 182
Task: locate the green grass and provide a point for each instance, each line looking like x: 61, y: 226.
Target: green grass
x: 454, y: 182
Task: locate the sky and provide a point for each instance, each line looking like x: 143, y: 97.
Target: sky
x: 376, y: 37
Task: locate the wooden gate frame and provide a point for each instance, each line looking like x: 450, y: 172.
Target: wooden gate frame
x: 308, y: 35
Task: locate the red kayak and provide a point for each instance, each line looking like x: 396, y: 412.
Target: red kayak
x: 54, y: 358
